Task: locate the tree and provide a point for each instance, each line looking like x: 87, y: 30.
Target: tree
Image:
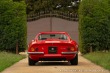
x: 34, y: 6
x: 13, y: 25
x: 94, y: 25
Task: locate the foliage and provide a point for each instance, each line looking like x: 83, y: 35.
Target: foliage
x: 18, y: 0
x: 8, y: 59
x: 34, y: 6
x: 12, y: 25
x: 100, y: 58
x: 94, y: 28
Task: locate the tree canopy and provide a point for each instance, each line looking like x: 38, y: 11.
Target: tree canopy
x: 12, y: 25
x: 34, y: 6
x: 94, y: 27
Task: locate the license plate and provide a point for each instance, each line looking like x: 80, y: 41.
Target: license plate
x: 52, y: 50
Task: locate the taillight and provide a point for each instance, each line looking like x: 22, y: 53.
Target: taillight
x: 34, y: 49
x: 71, y: 49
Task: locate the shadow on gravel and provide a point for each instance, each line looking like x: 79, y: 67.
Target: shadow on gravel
x: 55, y: 63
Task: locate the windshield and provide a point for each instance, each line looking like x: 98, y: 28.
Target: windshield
x: 52, y: 36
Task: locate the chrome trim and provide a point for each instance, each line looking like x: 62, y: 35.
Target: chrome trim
x: 35, y: 52
x: 69, y: 52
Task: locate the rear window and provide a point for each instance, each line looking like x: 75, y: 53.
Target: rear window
x: 52, y: 36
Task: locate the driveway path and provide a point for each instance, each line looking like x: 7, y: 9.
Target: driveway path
x: 84, y: 66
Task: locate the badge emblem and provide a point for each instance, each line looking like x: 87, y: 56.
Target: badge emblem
x: 52, y: 48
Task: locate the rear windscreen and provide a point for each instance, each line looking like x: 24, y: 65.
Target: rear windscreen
x: 52, y: 36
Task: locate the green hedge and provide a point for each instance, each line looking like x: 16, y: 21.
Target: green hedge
x: 12, y: 25
x: 94, y: 25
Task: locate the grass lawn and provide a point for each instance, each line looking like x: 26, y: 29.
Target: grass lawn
x: 8, y: 59
x: 99, y: 58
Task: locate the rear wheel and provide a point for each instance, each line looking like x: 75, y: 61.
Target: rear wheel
x: 75, y: 60
x: 31, y: 62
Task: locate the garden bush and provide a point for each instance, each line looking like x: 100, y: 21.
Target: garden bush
x: 94, y: 25
x: 13, y: 30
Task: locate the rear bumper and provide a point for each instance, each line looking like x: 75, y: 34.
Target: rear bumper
x: 37, y: 56
x: 35, y: 52
x: 61, y: 52
x: 69, y: 52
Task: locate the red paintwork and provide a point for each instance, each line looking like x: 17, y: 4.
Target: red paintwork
x: 62, y: 45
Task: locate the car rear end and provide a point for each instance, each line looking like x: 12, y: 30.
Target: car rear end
x: 52, y: 50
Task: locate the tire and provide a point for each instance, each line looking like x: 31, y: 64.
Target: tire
x: 75, y: 60
x: 31, y: 62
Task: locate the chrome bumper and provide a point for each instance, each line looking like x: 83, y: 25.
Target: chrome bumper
x: 35, y: 52
x: 43, y: 52
x: 69, y: 52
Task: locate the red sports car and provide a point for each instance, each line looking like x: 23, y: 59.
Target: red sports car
x: 53, y: 46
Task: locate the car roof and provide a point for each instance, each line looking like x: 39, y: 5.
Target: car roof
x: 53, y: 32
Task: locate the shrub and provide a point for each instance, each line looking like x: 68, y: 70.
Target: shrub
x: 12, y: 25
x: 94, y: 25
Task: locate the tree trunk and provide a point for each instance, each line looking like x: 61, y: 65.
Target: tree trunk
x: 17, y: 48
x: 91, y: 49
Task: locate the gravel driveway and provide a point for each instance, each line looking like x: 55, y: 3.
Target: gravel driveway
x: 34, y: 27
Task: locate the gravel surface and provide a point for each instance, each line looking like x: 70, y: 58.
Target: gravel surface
x: 35, y: 27
x: 84, y: 66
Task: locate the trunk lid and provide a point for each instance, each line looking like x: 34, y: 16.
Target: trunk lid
x: 53, y: 46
